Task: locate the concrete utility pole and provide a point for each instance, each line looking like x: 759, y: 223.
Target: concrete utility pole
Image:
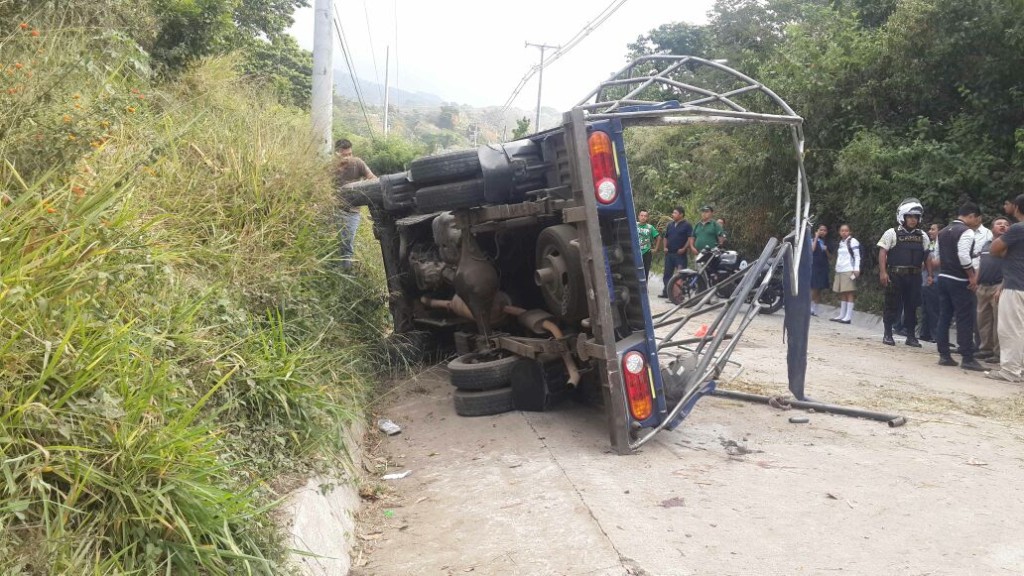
x: 387, y: 78
x: 540, y: 79
x: 323, y: 75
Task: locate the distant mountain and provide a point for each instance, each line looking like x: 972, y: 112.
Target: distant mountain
x: 428, y: 118
x: 373, y: 93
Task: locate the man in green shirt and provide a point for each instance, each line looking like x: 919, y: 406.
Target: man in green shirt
x: 707, y: 233
x: 646, y: 235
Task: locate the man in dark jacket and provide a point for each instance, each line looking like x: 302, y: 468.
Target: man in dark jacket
x: 957, y: 283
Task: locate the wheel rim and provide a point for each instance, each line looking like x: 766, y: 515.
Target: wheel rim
x: 554, y: 275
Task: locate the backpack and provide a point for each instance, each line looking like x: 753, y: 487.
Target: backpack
x: 866, y: 255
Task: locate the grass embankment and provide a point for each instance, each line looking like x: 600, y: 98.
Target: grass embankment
x: 173, y: 332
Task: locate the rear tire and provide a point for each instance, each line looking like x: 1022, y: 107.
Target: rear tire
x: 450, y: 196
x: 481, y: 371
x: 446, y: 167
x: 485, y: 403
x: 398, y: 192
x: 363, y: 193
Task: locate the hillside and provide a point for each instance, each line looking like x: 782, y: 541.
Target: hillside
x: 177, y: 340
x: 426, y: 119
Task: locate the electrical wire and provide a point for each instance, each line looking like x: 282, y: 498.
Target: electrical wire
x: 373, y: 53
x: 565, y: 47
x: 352, y: 72
x: 398, y: 94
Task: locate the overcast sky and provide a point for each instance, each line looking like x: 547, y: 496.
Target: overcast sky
x: 472, y: 51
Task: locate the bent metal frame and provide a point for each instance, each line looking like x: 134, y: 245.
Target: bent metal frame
x: 671, y: 90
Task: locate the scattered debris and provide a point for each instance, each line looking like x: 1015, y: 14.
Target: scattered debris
x: 732, y: 448
x: 388, y: 427
x: 396, y: 475
x: 799, y: 420
x: 675, y: 502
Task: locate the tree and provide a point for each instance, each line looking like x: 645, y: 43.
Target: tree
x: 522, y: 128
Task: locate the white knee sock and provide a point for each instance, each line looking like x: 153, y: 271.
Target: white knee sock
x: 842, y: 310
x: 849, y: 311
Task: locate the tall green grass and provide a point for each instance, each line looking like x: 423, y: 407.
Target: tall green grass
x: 174, y: 332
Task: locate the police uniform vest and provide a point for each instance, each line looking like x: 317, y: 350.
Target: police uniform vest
x: 909, y: 249
x: 949, y: 259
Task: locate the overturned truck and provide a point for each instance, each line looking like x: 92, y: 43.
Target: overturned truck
x: 522, y: 256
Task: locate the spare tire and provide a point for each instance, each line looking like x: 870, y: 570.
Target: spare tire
x: 481, y: 371
x: 398, y: 192
x: 560, y: 273
x: 446, y: 167
x: 452, y: 196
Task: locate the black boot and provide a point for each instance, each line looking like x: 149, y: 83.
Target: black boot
x: 887, y: 338
x: 911, y: 341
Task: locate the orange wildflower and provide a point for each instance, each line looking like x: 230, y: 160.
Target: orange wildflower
x: 18, y: 65
x: 78, y: 106
x: 51, y: 210
x: 66, y: 118
x: 78, y: 191
x: 35, y: 33
x: 23, y: 25
x: 130, y: 109
x: 12, y: 90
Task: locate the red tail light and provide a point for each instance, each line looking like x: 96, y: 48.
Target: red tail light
x: 638, y: 385
x: 602, y: 165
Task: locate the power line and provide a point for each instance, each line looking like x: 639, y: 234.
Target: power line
x: 373, y: 53
x: 576, y: 39
x: 398, y: 94
x: 352, y: 72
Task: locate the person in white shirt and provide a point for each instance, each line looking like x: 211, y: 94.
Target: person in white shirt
x: 847, y: 271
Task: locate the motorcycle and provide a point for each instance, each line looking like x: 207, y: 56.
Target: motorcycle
x: 713, y: 267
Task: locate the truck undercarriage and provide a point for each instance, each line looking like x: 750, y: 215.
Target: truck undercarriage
x: 523, y: 257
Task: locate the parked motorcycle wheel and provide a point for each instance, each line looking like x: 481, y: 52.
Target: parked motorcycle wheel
x: 680, y: 288
x: 772, y: 298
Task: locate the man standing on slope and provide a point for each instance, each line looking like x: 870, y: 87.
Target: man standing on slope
x: 349, y: 169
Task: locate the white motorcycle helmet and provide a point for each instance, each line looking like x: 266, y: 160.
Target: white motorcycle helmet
x: 909, y: 207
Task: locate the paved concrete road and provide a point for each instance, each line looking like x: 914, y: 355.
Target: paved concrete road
x: 736, y: 490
